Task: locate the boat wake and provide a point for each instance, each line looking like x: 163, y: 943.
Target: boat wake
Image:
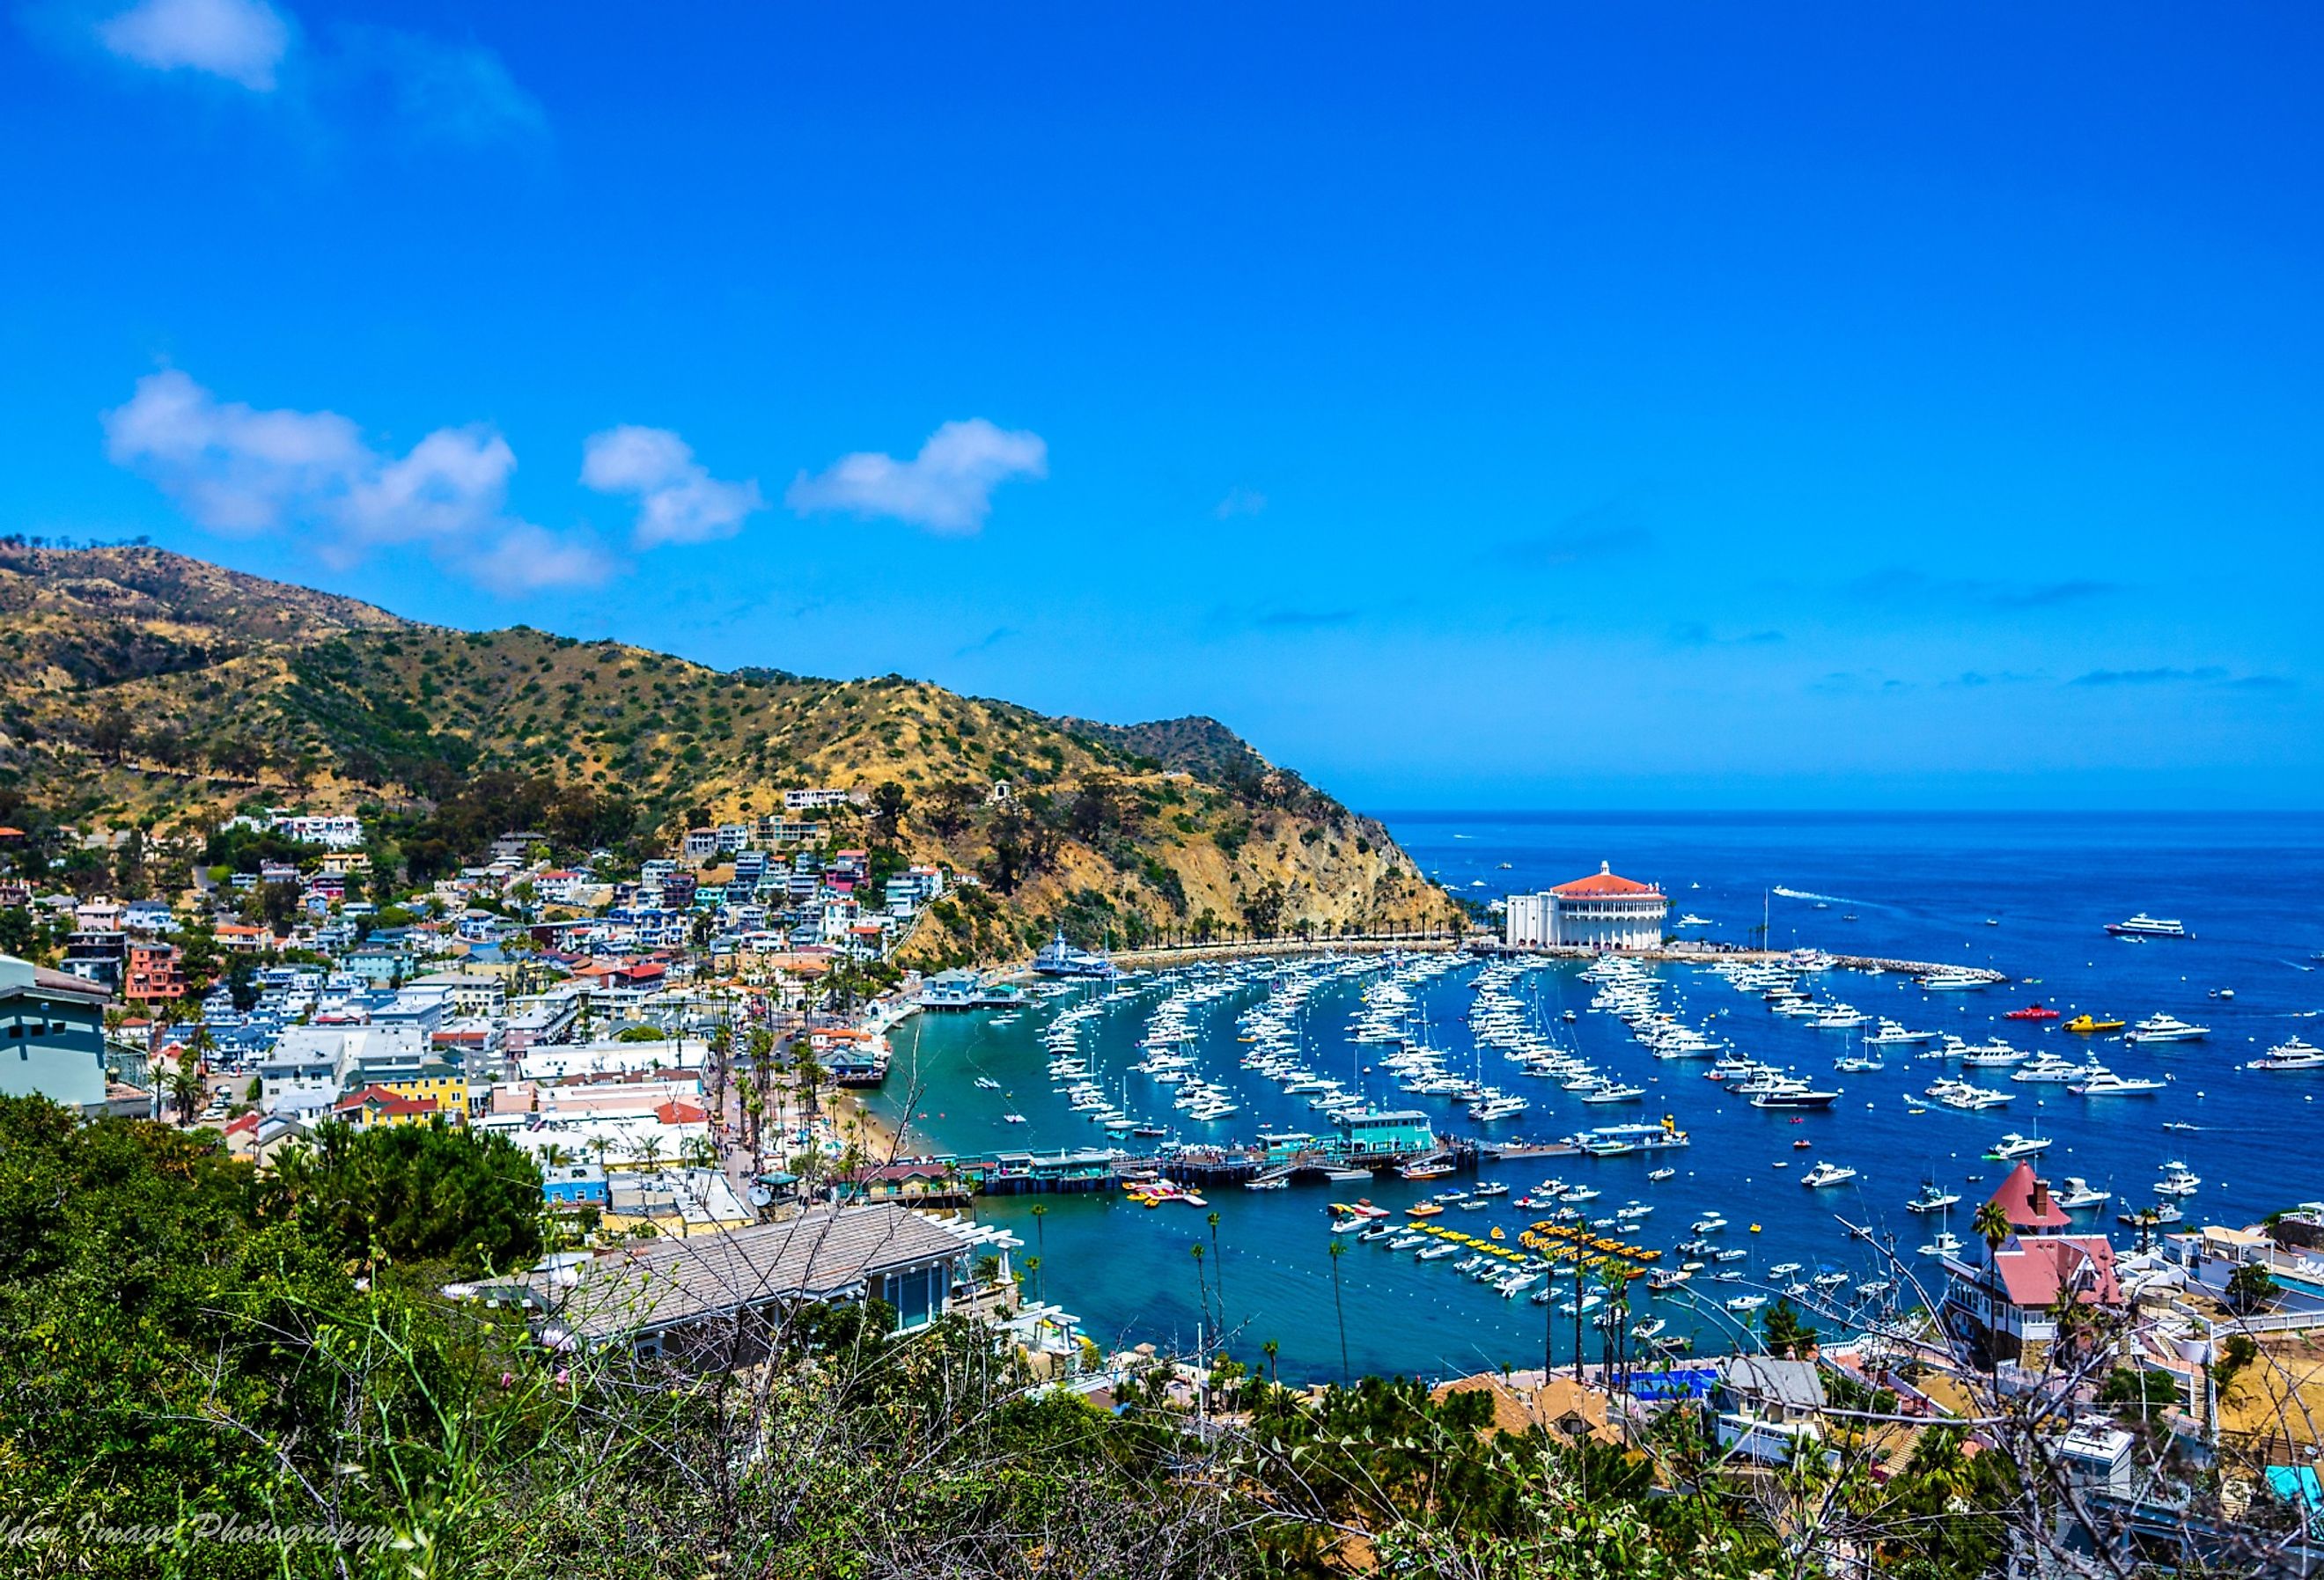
x: 1807, y: 894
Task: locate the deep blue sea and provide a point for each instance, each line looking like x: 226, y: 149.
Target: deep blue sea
x: 1918, y: 886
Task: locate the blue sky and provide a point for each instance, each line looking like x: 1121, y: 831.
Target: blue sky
x: 1540, y: 406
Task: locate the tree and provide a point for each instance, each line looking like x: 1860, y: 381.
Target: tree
x: 1269, y: 1349
x: 1991, y: 1224
x: 2249, y: 1286
x: 432, y: 1192
x: 1339, y: 1249
x: 1787, y: 1335
x: 889, y: 802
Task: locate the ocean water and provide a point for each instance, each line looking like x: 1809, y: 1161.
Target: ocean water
x: 1920, y: 887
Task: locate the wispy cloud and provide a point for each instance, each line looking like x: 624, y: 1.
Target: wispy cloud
x: 1603, y: 532
x: 1898, y: 586
x: 679, y: 501
x: 450, y: 92
x: 1240, y: 501
x: 1302, y: 619
x: 1695, y: 634
x: 2209, y: 674
x: 241, y: 41
x: 947, y: 487
x: 987, y: 643
x: 1970, y: 679
x: 439, y: 89
x: 234, y: 468
x: 2166, y: 675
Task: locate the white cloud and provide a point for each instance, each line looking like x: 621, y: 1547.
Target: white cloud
x: 947, y: 487
x: 1240, y: 501
x: 241, y: 41
x: 234, y: 468
x: 679, y: 501
x: 451, y: 92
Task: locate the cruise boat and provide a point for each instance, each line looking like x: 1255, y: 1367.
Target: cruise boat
x: 1954, y: 979
x: 2089, y: 1025
x: 2079, y: 1195
x: 2106, y: 1084
x: 2294, y: 1054
x: 2167, y: 1029
x: 1932, y: 1199
x: 1788, y: 1094
x: 1824, y: 1174
x: 2013, y: 1146
x: 2144, y: 926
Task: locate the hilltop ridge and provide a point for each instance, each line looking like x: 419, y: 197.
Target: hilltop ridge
x: 144, y: 684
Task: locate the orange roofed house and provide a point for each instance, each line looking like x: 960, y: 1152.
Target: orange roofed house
x: 2007, y: 1301
x: 1601, y: 911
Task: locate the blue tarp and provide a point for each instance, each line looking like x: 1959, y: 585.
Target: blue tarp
x: 1680, y: 1382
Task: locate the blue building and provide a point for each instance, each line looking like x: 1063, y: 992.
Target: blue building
x: 573, y: 1184
x: 51, y: 1036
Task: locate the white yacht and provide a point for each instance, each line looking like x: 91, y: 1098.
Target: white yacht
x: 1946, y: 1244
x: 2166, y: 1028
x: 2013, y: 1146
x: 2052, y: 1069
x: 2177, y: 1180
x: 2144, y: 926
x: 1932, y: 1199
x: 1826, y: 1174
x: 1895, y: 1034
x: 2106, y: 1084
x: 1953, y: 979
x: 2295, y: 1054
x: 2079, y: 1195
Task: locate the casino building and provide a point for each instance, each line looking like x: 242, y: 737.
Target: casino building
x: 1601, y: 912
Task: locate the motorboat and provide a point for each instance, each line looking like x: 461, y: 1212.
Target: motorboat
x: 1790, y: 1093
x: 2144, y: 926
x: 2079, y: 1195
x: 2177, y: 1180
x: 2050, y: 1068
x: 2162, y: 1028
x: 1747, y: 1302
x: 2106, y: 1084
x: 1824, y: 1174
x: 2088, y: 1025
x: 1895, y: 1034
x: 2013, y: 1146
x: 1659, y: 1175
x: 2295, y: 1054
x: 1933, y: 1198
x: 987, y: 1084
x: 2036, y: 1010
x: 1947, y: 1243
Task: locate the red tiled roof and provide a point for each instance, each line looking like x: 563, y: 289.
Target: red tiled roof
x: 1603, y: 882
x: 2028, y: 1201
x: 676, y: 1112
x: 2035, y: 1269
x: 385, y: 1101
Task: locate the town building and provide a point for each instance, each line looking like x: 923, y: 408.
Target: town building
x: 2008, y: 1303
x: 153, y: 973
x: 1601, y: 911
x: 809, y: 801
x: 709, y: 1300
x: 51, y: 1036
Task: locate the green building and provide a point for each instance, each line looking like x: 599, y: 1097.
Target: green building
x: 1386, y: 1133
x: 51, y: 1036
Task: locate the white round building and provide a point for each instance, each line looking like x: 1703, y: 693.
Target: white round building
x: 1601, y: 912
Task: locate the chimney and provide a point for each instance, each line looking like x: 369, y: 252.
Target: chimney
x: 2040, y: 1195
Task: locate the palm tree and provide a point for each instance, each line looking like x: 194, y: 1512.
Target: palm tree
x: 186, y: 1090
x: 1339, y: 1249
x: 1269, y: 1348
x: 1992, y: 1224
x: 1202, y: 1295
x: 1220, y: 1277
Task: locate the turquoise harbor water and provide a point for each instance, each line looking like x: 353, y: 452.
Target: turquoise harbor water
x: 1918, y: 887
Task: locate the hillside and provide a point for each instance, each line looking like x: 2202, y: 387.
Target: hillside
x: 143, y: 682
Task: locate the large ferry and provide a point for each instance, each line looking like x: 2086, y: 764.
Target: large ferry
x: 2144, y: 926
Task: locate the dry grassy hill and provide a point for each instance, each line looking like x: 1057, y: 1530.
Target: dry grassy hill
x: 138, y: 679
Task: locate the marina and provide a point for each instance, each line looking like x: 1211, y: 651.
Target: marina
x: 1736, y: 1102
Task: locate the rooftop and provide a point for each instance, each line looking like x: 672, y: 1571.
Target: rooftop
x: 1601, y: 883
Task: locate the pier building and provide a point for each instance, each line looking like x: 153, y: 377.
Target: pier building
x: 1602, y: 910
